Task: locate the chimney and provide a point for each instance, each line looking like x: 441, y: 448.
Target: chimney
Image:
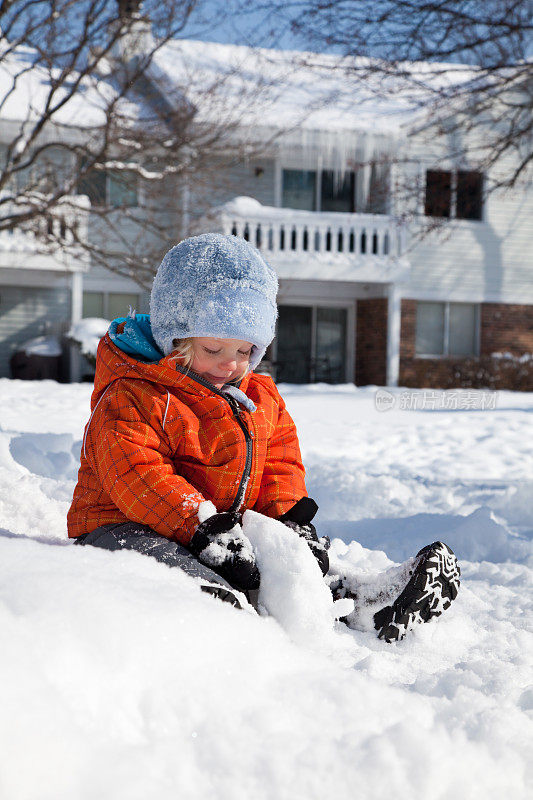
x: 136, y: 38
x: 129, y: 8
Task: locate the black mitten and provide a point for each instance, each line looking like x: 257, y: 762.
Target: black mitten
x: 299, y: 519
x: 220, y: 544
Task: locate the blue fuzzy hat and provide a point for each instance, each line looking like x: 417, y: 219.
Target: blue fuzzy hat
x: 214, y: 285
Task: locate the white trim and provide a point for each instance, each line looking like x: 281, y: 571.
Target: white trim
x: 30, y: 279
x: 278, y: 180
x: 394, y: 316
x: 76, y: 306
x: 446, y: 331
x: 463, y: 296
x: 318, y: 184
x: 76, y: 297
x: 184, y: 218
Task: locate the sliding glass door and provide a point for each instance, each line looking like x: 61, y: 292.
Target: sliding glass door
x: 311, y: 344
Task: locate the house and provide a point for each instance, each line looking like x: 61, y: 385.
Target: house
x: 338, y: 201
x: 364, y: 297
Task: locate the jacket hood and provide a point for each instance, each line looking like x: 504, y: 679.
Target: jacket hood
x: 128, y: 351
x: 133, y: 335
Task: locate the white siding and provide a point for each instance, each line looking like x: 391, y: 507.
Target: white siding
x: 490, y: 260
x: 27, y: 312
x: 220, y: 183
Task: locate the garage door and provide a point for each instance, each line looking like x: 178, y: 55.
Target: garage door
x: 26, y: 313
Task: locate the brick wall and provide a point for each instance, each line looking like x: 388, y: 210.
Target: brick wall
x: 371, y: 342
x: 504, y: 328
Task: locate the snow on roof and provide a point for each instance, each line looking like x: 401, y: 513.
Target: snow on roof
x: 310, y: 99
x: 307, y: 91
x: 25, y: 88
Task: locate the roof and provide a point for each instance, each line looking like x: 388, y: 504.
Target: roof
x: 306, y: 96
x: 288, y: 89
x: 25, y: 88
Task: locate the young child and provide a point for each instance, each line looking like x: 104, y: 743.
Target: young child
x: 184, y: 437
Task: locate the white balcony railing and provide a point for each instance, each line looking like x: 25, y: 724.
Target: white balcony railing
x: 58, y: 237
x: 364, y: 246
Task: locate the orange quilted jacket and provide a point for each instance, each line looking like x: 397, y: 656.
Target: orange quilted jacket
x: 159, y: 442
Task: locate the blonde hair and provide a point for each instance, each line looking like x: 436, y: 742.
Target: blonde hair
x: 184, y: 353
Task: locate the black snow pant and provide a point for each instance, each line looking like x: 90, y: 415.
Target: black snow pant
x: 142, y: 539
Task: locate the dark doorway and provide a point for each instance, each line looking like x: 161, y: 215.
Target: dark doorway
x: 311, y: 344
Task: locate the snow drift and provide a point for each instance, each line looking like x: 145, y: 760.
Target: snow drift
x: 119, y: 678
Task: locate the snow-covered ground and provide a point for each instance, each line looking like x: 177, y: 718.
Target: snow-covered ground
x: 119, y: 679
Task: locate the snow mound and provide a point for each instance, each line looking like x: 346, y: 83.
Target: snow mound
x: 120, y: 679
x: 292, y: 589
x: 51, y: 455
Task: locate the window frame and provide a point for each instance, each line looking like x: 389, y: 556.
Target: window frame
x: 108, y: 174
x: 454, y: 181
x: 315, y: 303
x: 319, y: 171
x: 446, y: 330
x: 105, y: 299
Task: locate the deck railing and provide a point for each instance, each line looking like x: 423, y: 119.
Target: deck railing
x: 296, y: 233
x: 65, y: 226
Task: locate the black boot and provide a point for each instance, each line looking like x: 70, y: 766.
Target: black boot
x: 433, y: 585
x: 394, y: 601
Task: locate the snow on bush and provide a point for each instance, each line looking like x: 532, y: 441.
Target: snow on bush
x: 42, y: 346
x: 87, y: 334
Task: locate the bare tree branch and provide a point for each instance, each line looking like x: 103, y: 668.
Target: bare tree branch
x: 85, y: 109
x: 464, y: 64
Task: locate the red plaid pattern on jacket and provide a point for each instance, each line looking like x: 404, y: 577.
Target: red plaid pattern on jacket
x: 159, y: 443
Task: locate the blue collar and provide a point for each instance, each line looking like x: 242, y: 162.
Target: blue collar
x: 136, y: 337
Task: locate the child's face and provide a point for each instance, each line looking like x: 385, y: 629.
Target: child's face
x: 220, y: 360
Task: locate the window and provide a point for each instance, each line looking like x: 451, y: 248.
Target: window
x: 118, y: 304
x: 365, y: 190
x: 93, y: 184
x: 469, y: 195
x: 438, y: 194
x: 446, y: 329
x: 337, y: 191
x: 122, y: 189
x: 439, y: 197
x: 377, y: 198
x: 299, y: 189
x: 117, y: 188
x: 108, y: 305
x: 93, y: 305
x: 430, y: 329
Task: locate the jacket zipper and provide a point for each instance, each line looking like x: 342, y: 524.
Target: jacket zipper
x: 248, y: 437
x: 241, y: 491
